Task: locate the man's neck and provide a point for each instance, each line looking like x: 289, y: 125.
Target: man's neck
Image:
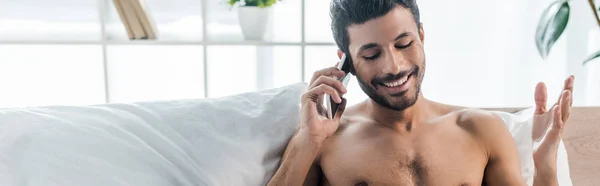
x: 403, y: 121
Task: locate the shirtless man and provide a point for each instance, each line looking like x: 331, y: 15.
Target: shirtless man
x: 399, y: 137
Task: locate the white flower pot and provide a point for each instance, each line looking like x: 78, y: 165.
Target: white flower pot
x: 253, y: 21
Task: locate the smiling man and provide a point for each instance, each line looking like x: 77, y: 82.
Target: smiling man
x: 397, y: 137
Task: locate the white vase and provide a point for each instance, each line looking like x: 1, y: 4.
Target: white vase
x: 253, y: 21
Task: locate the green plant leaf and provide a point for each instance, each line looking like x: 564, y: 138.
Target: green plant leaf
x: 552, y: 24
x: 270, y: 2
x: 232, y: 2
x: 592, y: 57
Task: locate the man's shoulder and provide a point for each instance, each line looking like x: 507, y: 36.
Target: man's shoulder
x: 470, y: 118
x: 477, y: 116
x: 480, y: 122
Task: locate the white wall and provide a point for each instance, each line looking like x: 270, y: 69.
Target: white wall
x: 482, y: 53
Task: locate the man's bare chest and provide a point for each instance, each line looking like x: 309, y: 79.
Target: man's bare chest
x: 431, y: 159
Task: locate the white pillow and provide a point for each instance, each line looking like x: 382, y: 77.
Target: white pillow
x: 562, y: 160
x: 520, y: 125
x: 230, y: 141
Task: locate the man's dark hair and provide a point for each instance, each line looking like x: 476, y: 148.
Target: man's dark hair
x: 347, y: 12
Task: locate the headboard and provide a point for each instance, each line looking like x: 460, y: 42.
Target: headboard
x: 582, y: 141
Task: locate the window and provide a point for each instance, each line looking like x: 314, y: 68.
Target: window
x: 238, y: 69
x: 77, y: 52
x: 83, y: 56
x: 148, y: 72
x: 36, y: 75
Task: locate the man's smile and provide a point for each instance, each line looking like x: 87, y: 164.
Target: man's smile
x: 396, y: 86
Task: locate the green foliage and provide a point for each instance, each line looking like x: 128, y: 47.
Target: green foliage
x: 258, y: 3
x: 552, y: 24
x: 592, y: 57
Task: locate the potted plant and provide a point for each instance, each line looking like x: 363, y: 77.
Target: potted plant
x: 253, y: 16
x: 554, y: 21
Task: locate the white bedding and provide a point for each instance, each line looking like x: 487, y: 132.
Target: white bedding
x: 230, y: 141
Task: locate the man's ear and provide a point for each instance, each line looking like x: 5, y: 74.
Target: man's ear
x: 340, y: 53
x: 422, y: 33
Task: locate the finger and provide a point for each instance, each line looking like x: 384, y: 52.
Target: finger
x: 541, y: 98
x: 565, y: 105
x: 340, y: 110
x: 331, y: 82
x: 331, y: 72
x: 568, y: 85
x: 318, y: 91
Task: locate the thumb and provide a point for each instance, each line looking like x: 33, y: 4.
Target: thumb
x: 553, y: 136
x: 541, y: 98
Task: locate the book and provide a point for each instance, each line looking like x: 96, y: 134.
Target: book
x: 145, y: 18
x: 132, y: 21
x: 124, y: 20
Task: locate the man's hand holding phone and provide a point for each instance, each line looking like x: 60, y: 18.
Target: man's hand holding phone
x: 314, y: 121
x: 315, y: 128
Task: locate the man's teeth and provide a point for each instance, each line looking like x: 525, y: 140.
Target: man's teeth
x: 397, y: 82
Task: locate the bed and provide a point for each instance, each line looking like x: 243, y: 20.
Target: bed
x: 234, y: 140
x: 582, y: 141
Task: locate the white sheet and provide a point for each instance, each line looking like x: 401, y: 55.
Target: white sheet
x: 230, y: 141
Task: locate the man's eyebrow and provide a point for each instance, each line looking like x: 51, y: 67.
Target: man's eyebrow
x: 371, y: 45
x: 401, y: 36
x: 367, y: 46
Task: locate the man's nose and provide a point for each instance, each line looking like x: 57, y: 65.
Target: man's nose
x: 393, y: 63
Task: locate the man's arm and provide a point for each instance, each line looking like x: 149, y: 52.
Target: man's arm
x: 503, y: 167
x: 298, y: 167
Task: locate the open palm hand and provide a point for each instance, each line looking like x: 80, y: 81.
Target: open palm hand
x: 548, y: 126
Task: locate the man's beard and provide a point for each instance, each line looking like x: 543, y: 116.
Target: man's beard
x: 397, y: 106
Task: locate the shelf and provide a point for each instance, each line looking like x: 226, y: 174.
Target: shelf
x: 267, y: 43
x: 194, y: 46
x: 196, y: 22
x: 175, y: 20
x: 148, y: 42
x: 50, y: 42
x: 49, y: 20
x: 284, y: 22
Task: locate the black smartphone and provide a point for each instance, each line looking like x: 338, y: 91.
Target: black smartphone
x: 330, y: 104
